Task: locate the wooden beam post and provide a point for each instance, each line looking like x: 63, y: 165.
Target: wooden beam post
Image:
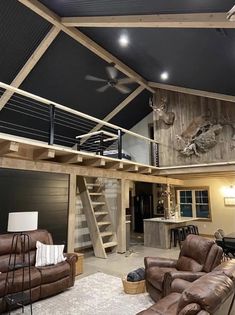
x: 121, y: 216
x: 30, y: 64
x: 71, y: 212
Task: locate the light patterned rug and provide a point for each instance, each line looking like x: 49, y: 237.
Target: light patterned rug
x: 97, y: 294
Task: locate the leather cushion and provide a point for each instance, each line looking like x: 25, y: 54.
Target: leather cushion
x: 197, y: 248
x: 209, y: 291
x: 6, y: 242
x: 188, y: 264
x: 190, y: 309
x: 168, y: 305
x: 17, y: 285
x: 179, y: 285
x: 55, y: 272
x: 155, y: 275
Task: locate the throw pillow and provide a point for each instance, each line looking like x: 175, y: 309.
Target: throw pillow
x: 48, y: 254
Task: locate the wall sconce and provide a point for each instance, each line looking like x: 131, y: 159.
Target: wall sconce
x: 229, y: 196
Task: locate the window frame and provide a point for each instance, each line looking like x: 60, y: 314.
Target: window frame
x: 194, y: 211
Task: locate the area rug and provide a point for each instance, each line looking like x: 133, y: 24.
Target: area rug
x: 97, y: 294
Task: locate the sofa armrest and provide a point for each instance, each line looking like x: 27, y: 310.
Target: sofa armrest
x: 71, y: 260
x: 192, y: 309
x: 159, y: 262
x: 172, y: 276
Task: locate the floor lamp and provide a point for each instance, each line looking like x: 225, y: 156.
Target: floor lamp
x: 19, y: 223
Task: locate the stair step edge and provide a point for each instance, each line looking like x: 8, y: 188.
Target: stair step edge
x: 110, y: 244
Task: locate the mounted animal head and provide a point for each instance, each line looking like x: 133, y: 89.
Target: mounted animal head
x: 161, y: 111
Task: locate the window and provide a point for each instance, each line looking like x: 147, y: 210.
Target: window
x: 194, y: 203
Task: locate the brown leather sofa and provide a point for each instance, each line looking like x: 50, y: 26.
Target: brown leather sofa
x: 212, y: 293
x: 45, y: 281
x: 198, y: 256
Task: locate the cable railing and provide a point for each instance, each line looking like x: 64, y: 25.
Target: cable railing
x: 34, y: 117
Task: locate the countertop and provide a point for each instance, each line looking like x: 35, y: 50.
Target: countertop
x: 172, y: 220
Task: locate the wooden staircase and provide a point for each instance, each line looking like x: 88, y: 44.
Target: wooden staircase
x: 103, y: 236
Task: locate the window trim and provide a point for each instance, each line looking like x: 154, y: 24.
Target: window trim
x: 194, y: 188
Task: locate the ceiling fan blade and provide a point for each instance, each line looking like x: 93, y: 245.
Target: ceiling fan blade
x: 112, y: 72
x: 123, y: 89
x: 103, y: 88
x: 92, y: 78
x: 125, y: 81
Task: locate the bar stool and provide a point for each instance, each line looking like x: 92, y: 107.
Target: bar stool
x: 178, y: 235
x: 193, y: 229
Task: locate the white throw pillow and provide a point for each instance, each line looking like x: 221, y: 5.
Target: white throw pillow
x: 48, y: 254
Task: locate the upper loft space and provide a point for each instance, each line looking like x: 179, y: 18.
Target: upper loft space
x: 128, y: 64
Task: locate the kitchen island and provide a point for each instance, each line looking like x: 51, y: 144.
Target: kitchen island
x: 157, y: 230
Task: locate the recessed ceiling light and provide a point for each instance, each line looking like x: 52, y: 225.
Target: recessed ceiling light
x: 164, y: 75
x: 123, y: 40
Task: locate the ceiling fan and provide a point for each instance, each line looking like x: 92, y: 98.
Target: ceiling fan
x: 112, y: 81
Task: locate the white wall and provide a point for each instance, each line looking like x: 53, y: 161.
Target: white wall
x: 139, y: 149
x: 223, y: 217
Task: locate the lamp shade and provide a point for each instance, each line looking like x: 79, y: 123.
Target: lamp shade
x: 22, y: 221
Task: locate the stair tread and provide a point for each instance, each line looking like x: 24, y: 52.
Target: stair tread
x: 93, y: 184
x: 110, y: 244
x: 95, y: 194
x: 108, y: 233
x: 96, y: 203
x: 101, y: 212
x: 104, y: 223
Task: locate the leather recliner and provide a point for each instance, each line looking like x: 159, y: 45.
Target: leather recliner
x: 45, y: 281
x: 211, y: 294
x: 198, y: 256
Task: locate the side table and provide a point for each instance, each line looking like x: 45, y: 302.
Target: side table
x: 79, y: 263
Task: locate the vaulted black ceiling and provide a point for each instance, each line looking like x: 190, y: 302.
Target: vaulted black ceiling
x: 195, y: 58
x: 131, y: 7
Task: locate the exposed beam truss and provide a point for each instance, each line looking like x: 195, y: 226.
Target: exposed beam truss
x: 73, y: 32
x: 30, y: 64
x: 191, y: 20
x: 117, y: 109
x: 218, y: 96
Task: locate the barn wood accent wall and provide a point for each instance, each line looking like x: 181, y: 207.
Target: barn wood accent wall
x: 186, y: 108
x: 36, y: 191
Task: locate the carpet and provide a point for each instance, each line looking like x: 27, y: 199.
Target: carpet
x: 96, y: 294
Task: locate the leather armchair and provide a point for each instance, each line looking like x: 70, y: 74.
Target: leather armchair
x: 213, y: 293
x: 198, y: 256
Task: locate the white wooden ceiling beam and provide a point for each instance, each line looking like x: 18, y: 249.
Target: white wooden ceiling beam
x: 218, y: 96
x: 188, y: 20
x: 73, y: 32
x: 30, y: 64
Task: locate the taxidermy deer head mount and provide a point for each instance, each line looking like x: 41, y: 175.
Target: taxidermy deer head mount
x: 161, y: 111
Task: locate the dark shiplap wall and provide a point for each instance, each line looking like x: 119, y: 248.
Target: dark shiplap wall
x: 36, y: 191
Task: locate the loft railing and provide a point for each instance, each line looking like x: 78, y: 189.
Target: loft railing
x: 35, y: 117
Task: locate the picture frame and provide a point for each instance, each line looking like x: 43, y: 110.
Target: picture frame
x: 229, y: 201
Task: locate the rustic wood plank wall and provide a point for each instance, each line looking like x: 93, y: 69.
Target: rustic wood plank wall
x: 186, y: 108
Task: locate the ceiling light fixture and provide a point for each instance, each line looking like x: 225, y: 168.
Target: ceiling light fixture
x: 164, y: 75
x: 123, y: 40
